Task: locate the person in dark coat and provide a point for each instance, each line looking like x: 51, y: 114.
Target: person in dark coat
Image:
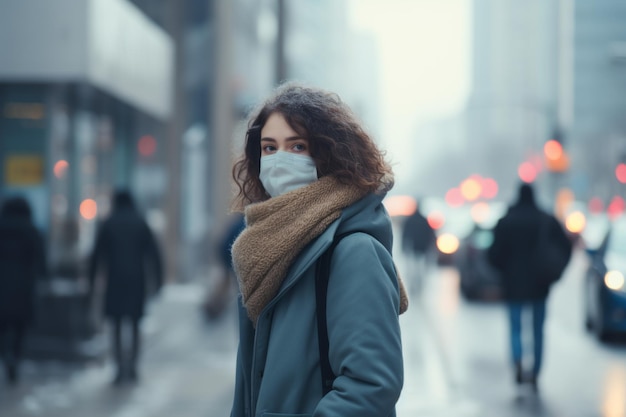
x: 418, y: 241
x: 218, y: 297
x: 22, y: 262
x: 417, y: 235
x: 127, y: 249
x: 515, y: 236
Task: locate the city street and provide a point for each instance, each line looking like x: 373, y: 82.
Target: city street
x: 581, y: 376
x: 456, y: 362
x: 133, y: 131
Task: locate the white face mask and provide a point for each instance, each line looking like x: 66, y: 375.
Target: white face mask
x: 282, y: 172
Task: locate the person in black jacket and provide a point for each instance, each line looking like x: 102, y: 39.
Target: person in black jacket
x: 127, y: 248
x: 418, y: 236
x: 218, y: 297
x: 22, y: 261
x: 515, y: 237
x: 418, y: 241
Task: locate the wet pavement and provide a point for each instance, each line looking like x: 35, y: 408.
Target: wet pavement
x: 581, y: 376
x: 187, y: 370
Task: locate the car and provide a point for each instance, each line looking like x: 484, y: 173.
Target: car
x: 451, y: 225
x: 605, y: 289
x: 479, y: 280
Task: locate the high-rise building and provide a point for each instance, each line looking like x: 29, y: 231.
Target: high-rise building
x: 593, y: 96
x: 321, y: 49
x: 514, y: 85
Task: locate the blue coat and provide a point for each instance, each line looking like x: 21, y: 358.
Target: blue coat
x: 278, y: 372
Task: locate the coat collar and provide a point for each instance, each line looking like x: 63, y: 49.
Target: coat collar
x: 308, y: 256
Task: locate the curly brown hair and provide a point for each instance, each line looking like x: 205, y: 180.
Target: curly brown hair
x: 338, y: 144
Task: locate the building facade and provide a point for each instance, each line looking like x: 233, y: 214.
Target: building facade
x: 85, y: 92
x: 85, y: 98
x: 593, y: 96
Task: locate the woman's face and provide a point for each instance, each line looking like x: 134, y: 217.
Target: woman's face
x: 277, y: 135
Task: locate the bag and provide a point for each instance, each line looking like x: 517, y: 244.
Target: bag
x: 322, y: 273
x: 548, y: 259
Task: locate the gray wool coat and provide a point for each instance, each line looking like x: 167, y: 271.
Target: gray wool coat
x: 278, y: 371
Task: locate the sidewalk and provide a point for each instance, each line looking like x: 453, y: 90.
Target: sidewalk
x: 431, y: 386
x: 187, y: 369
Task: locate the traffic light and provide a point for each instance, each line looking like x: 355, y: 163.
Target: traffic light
x: 555, y: 157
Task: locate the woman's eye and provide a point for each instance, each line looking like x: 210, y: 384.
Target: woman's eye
x: 268, y: 148
x: 299, y: 147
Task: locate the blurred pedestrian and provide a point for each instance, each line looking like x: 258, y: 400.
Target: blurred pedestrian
x: 22, y: 262
x: 517, y: 236
x: 219, y: 293
x: 128, y: 251
x: 311, y: 178
x: 418, y: 242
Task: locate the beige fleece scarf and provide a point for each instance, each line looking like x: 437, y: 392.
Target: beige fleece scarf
x: 278, y: 229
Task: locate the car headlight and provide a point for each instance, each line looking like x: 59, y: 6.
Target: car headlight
x: 614, y: 280
x: 448, y: 243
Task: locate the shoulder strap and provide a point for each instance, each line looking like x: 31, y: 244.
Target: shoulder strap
x: 322, y: 273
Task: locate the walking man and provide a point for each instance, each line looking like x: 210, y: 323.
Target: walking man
x: 516, y: 237
x: 418, y: 241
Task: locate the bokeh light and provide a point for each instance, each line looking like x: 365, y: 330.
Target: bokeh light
x: 436, y: 219
x: 575, y: 222
x: 471, y: 189
x: 448, y: 243
x: 490, y: 188
x: 60, y: 168
x: 454, y: 198
x: 620, y: 173
x: 527, y: 172
x: 553, y: 150
x: 88, y: 209
x: 400, y: 205
x: 146, y: 145
x: 616, y: 207
x: 614, y: 280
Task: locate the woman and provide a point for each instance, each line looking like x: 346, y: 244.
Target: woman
x: 309, y: 174
x: 22, y: 262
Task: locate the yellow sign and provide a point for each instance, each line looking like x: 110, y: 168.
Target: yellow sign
x: 29, y: 111
x: 23, y: 170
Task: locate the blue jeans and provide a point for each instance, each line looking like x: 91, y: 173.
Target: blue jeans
x: 515, y: 320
